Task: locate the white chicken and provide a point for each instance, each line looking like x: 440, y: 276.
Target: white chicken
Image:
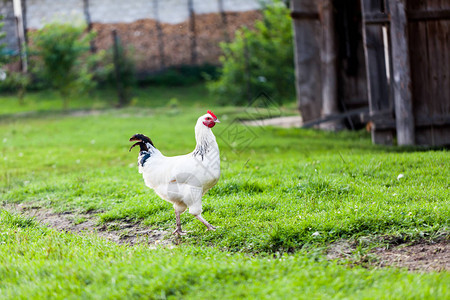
x: 182, y: 180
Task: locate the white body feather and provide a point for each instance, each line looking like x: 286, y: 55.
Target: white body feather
x: 183, y: 180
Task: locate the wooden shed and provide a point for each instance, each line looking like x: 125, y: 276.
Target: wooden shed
x: 381, y: 62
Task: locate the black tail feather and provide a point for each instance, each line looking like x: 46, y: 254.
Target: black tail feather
x: 142, y: 138
x: 142, y: 146
x: 143, y: 141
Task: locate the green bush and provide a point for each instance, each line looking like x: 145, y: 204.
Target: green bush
x: 62, y: 58
x: 15, y: 82
x: 259, y: 60
x: 181, y: 75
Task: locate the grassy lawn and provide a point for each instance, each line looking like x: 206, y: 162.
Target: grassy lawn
x: 284, y: 195
x: 49, y: 101
x: 38, y: 263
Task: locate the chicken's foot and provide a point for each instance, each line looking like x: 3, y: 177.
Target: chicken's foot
x: 178, y: 231
x: 201, y: 219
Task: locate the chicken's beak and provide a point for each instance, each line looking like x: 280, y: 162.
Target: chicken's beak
x: 216, y: 121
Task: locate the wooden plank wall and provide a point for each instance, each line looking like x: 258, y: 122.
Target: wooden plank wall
x: 420, y: 70
x: 329, y: 57
x: 407, y: 60
x: 429, y: 44
x: 379, y: 92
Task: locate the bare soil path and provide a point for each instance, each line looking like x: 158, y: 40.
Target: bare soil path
x: 124, y: 232
x: 285, y: 122
x: 425, y: 256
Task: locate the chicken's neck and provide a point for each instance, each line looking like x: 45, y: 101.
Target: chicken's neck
x: 206, y: 141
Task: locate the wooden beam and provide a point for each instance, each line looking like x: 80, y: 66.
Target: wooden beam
x: 376, y: 18
x: 429, y: 15
x: 337, y: 117
x: 304, y: 15
x: 328, y: 57
x: 402, y: 73
x: 307, y: 58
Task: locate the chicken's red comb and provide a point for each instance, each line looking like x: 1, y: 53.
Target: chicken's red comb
x: 212, y: 114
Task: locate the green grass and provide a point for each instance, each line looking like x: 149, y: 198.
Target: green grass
x: 274, y: 193
x: 39, y: 263
x: 278, y: 188
x: 50, y: 101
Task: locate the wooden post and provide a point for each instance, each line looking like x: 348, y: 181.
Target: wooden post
x: 19, y: 44
x: 193, y: 34
x: 160, y: 35
x: 404, y: 117
x: 328, y: 61
x: 87, y: 17
x: 248, y: 75
x: 20, y: 32
x: 224, y: 18
x: 117, y: 70
x: 23, y: 4
x: 307, y: 58
x: 377, y: 82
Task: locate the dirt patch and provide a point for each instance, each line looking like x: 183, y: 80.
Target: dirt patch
x: 342, y: 249
x: 419, y: 257
x: 123, y: 232
x: 284, y: 122
x: 422, y: 256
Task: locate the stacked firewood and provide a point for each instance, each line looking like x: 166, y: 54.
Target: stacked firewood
x: 153, y: 49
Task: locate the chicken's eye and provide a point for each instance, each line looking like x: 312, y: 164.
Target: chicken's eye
x: 208, y: 118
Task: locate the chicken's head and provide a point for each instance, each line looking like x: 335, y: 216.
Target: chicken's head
x: 209, y: 119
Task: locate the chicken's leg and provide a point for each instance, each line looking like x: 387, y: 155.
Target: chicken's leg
x: 201, y: 219
x: 178, y: 230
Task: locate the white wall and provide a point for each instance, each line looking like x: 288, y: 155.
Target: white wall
x: 173, y: 11
x: 120, y: 11
x: 40, y: 12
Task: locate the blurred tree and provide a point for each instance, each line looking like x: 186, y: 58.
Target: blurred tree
x: 259, y: 60
x: 63, y: 58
